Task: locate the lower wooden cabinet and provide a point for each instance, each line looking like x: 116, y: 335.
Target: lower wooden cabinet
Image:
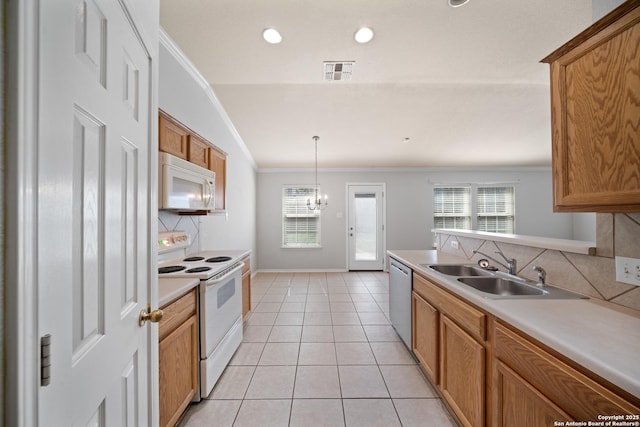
x: 489, y: 373
x: 554, y: 386
x: 178, y: 358
x: 462, y: 373
x: 246, y: 287
x: 425, y: 343
x: 449, y: 342
x: 518, y: 403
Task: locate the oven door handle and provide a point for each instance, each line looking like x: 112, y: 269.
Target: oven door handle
x: 239, y: 266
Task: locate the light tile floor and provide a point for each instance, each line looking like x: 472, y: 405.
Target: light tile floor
x: 318, y: 350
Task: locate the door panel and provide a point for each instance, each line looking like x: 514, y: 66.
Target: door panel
x: 366, y: 226
x: 94, y: 136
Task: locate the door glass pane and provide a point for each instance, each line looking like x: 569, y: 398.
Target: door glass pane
x: 365, y: 218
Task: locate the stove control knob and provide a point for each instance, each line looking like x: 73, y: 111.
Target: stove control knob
x: 152, y: 316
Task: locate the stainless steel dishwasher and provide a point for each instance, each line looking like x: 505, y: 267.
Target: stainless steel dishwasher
x: 400, y: 282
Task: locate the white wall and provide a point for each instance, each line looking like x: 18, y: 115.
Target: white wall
x: 602, y: 7
x: 409, y: 210
x: 187, y: 97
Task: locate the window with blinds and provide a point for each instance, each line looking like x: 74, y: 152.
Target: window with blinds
x: 496, y: 210
x: 452, y: 207
x: 475, y: 207
x: 300, y: 226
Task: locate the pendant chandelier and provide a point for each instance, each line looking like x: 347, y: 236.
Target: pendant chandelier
x: 318, y: 204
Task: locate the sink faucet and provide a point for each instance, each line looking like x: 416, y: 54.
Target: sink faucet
x: 511, y: 265
x: 542, y: 275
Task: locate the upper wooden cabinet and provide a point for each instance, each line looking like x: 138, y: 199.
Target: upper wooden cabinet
x: 595, y: 116
x: 177, y: 139
x: 172, y: 138
x: 198, y: 152
x: 218, y: 164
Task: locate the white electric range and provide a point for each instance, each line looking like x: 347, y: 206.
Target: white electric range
x: 220, y: 299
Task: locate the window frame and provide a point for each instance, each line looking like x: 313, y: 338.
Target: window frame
x: 301, y: 212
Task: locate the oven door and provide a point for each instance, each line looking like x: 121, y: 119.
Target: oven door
x: 220, y: 308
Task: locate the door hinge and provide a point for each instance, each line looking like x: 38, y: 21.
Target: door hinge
x: 45, y: 360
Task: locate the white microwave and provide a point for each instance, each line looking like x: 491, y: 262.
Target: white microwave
x: 184, y: 186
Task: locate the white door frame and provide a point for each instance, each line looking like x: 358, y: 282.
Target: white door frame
x: 21, y: 345
x: 21, y: 328
x: 384, y: 221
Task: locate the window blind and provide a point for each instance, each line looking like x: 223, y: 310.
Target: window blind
x: 300, y: 226
x: 496, y: 209
x: 452, y: 207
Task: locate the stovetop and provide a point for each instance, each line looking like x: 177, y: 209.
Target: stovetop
x: 201, y: 265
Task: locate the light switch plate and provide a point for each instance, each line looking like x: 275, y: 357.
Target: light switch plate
x: 628, y: 270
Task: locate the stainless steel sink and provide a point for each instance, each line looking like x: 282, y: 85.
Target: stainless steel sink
x: 501, y: 286
x: 497, y: 284
x: 459, y: 270
x: 505, y: 288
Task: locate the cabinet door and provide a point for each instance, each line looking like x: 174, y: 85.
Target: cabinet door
x: 198, y: 152
x: 172, y: 138
x: 462, y: 373
x: 178, y: 365
x: 425, y: 336
x: 246, y: 288
x: 595, y: 116
x: 518, y: 403
x: 218, y: 164
x: 574, y: 392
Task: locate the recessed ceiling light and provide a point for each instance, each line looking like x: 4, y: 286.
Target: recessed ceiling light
x: 457, y: 3
x: 271, y: 35
x: 363, y: 35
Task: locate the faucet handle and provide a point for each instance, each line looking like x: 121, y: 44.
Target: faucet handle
x: 542, y: 275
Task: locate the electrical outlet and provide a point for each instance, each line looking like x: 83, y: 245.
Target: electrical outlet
x: 628, y: 270
x: 454, y: 244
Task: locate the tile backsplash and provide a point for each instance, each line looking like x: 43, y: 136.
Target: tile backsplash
x: 617, y: 234
x: 170, y: 221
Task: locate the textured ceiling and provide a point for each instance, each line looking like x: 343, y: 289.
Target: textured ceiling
x: 463, y: 84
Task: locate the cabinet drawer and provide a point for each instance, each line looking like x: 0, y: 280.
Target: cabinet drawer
x: 177, y: 312
x: 247, y: 265
x: 472, y: 320
x: 578, y: 395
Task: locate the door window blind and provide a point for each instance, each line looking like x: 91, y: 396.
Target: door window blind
x: 300, y: 226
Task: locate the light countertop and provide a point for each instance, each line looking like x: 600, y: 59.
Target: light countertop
x: 597, y: 335
x: 564, y: 245
x: 170, y: 290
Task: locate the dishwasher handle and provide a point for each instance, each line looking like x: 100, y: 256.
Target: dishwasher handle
x: 399, y: 268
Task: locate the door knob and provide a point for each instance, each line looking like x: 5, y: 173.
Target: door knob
x: 152, y: 316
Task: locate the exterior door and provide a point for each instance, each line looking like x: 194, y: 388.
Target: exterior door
x: 95, y: 126
x: 366, y: 226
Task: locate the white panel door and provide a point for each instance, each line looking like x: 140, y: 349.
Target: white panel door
x: 366, y: 226
x: 93, y: 277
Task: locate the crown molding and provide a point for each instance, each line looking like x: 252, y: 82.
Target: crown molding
x: 168, y: 43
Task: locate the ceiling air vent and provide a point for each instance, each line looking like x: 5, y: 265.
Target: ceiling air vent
x: 338, y: 71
